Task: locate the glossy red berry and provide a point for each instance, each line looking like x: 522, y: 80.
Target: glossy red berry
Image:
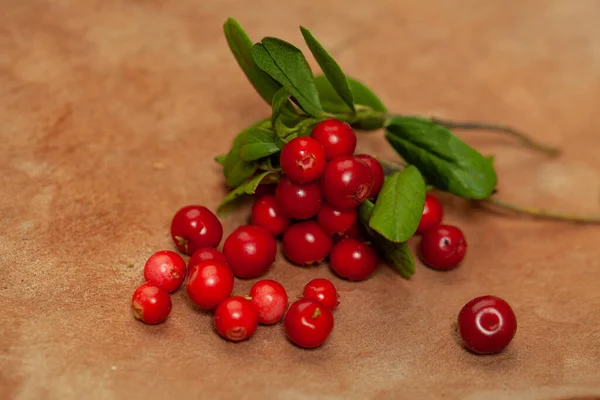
x: 487, y: 324
x: 432, y: 214
x: 270, y: 301
x: 337, y: 138
x: 443, y: 247
x: 165, y: 269
x: 334, y: 220
x: 308, y: 323
x: 346, y: 182
x: 323, y: 291
x: 194, y: 227
x: 150, y: 304
x: 206, y: 253
x: 250, y: 251
x: 353, y: 260
x: 305, y: 243
x: 298, y: 201
x: 268, y: 214
x: 376, y: 170
x: 236, y: 319
x: 303, y: 159
x: 209, y: 283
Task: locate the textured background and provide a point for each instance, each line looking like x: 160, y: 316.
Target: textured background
x: 112, y: 111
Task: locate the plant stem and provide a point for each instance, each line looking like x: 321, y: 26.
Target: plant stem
x: 540, y: 213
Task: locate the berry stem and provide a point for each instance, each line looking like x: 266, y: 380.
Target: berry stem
x: 541, y: 213
x: 316, y: 313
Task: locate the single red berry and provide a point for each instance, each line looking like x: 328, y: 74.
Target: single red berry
x: 376, y: 170
x: 337, y: 138
x: 323, y: 291
x: 165, y: 269
x: 270, y: 301
x: 308, y: 323
x: 206, y: 253
x: 303, y: 159
x: 264, y: 189
x: 443, y: 247
x: 150, y: 304
x: 487, y: 324
x: 250, y: 251
x: 353, y: 260
x: 267, y: 213
x: 298, y: 201
x: 334, y: 220
x: 305, y: 243
x: 432, y: 214
x: 236, y: 319
x: 209, y: 283
x: 346, y: 182
x: 194, y: 227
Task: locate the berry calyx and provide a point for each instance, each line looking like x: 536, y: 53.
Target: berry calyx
x: 250, y: 251
x: 443, y: 247
x: 209, y: 283
x: 308, y: 323
x: 165, y: 269
x: 376, y: 170
x: 298, y: 201
x: 206, y: 253
x: 433, y: 212
x: 194, y: 227
x: 323, y: 291
x: 353, y: 260
x: 150, y: 304
x: 337, y: 138
x: 236, y: 319
x: 303, y: 159
x: 267, y: 213
x: 305, y: 243
x: 346, y: 182
x: 270, y: 301
x: 336, y: 221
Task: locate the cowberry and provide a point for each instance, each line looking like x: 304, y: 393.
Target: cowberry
x: 443, y: 247
x: 264, y: 189
x: 236, y: 319
x: 432, y: 214
x: 337, y: 138
x: 376, y: 170
x: 308, y: 323
x: 487, y: 324
x: 266, y: 212
x: 209, y: 283
x: 150, y: 304
x: 270, y: 301
x: 194, y: 227
x: 305, y: 243
x: 303, y: 159
x: 334, y: 220
x: 165, y: 269
x: 353, y: 260
x: 298, y: 201
x: 206, y: 253
x: 250, y: 251
x: 323, y: 291
x: 346, y: 182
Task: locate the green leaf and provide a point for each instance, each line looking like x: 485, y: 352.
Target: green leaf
x: 246, y: 188
x: 445, y: 161
x: 221, y: 159
x: 330, y: 68
x: 241, y: 47
x: 237, y: 170
x: 399, y: 205
x: 286, y: 64
x: 332, y: 102
x: 258, y: 143
x: 280, y: 99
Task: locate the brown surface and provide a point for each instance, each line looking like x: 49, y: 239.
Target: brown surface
x: 112, y: 111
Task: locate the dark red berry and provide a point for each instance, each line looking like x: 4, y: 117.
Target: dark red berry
x: 376, y: 170
x: 323, y: 291
x: 194, y: 227
x: 487, y: 325
x: 298, y: 201
x: 337, y: 138
x: 432, y: 214
x: 270, y: 301
x: 206, y: 253
x: 346, y: 182
x: 151, y: 304
x: 209, y: 283
x: 267, y: 213
x: 308, y: 323
x: 303, y: 159
x: 250, y: 251
x: 443, y: 247
x: 305, y: 243
x: 334, y: 220
x: 264, y: 189
x: 165, y: 269
x: 353, y: 260
x: 236, y: 319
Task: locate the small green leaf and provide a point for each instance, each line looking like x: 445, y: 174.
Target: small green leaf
x: 280, y: 99
x: 246, y: 188
x: 265, y: 177
x: 445, y: 161
x: 286, y: 64
x: 333, y: 103
x: 237, y: 170
x: 330, y: 68
x: 221, y: 159
x: 258, y: 143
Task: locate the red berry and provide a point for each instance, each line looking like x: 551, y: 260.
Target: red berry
x: 194, y: 227
x: 443, y: 247
x: 264, y: 189
x: 299, y: 201
x: 303, y: 159
x: 206, y: 253
x: 308, y: 323
x: 151, y: 304
x: 353, y: 260
x: 165, y: 269
x: 305, y: 243
x: 209, y: 283
x: 236, y: 319
x: 323, y: 291
x: 250, y: 251
x: 487, y: 325
x: 432, y: 214
x: 270, y: 301
x: 267, y: 213
x: 334, y: 220
x: 337, y: 138
x: 346, y: 182
x: 376, y: 170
